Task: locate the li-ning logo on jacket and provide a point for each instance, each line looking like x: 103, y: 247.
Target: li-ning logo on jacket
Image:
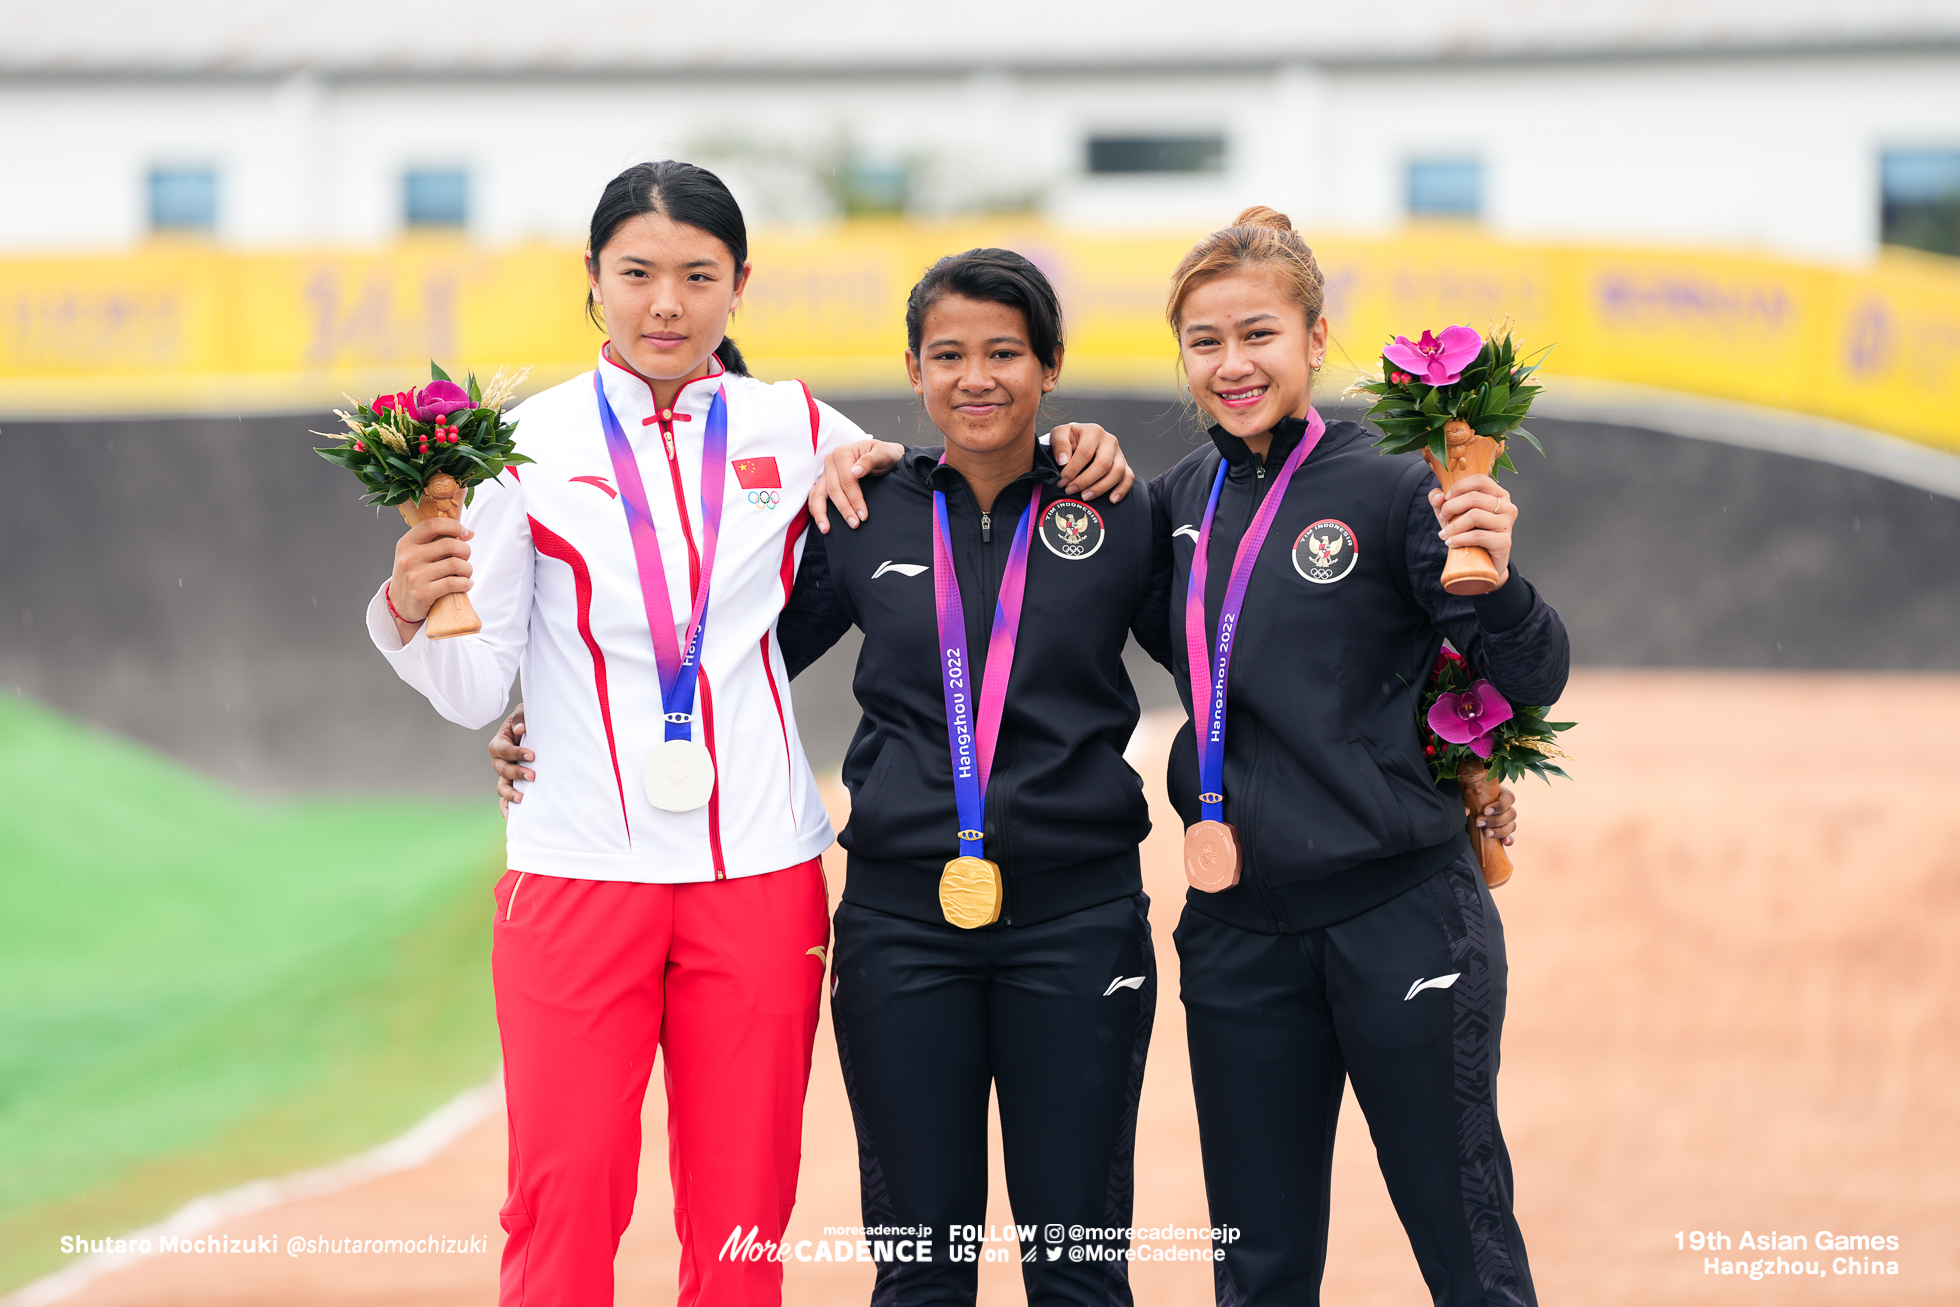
x: 903, y: 569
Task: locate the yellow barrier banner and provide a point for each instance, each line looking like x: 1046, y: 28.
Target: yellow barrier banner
x: 188, y: 328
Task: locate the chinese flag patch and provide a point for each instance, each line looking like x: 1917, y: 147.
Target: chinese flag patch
x: 757, y: 473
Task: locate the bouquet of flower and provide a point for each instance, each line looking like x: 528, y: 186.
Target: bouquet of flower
x: 1475, y: 736
x: 424, y: 451
x: 1455, y: 399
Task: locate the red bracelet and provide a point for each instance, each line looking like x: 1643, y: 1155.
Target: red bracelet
x: 389, y: 600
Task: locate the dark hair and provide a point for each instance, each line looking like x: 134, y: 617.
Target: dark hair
x: 1258, y: 237
x: 993, y: 277
x: 686, y: 193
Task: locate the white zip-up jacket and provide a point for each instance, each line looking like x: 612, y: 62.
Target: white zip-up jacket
x: 559, y: 596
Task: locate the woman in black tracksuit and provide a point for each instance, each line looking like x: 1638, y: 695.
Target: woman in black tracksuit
x: 1360, y: 942
x: 1050, y: 1004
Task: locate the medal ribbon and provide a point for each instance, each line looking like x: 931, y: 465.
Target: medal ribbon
x: 678, y: 667
x: 973, y: 735
x: 1211, y: 741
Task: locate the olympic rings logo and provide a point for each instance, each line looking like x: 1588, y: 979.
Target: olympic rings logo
x: 765, y: 498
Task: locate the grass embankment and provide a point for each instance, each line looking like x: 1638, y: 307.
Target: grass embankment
x: 197, y: 989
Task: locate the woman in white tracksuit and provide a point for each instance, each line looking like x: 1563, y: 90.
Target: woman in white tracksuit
x: 664, y: 889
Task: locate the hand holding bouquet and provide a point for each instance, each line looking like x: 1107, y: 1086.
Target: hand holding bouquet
x: 1455, y: 399
x: 424, y: 451
x: 1475, y: 736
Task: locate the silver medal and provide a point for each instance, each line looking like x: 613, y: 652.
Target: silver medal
x: 679, y: 775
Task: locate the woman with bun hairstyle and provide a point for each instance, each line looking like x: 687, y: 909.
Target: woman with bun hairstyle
x: 1337, y: 927
x: 664, y: 890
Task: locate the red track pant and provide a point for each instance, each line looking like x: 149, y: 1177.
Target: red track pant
x: 592, y: 975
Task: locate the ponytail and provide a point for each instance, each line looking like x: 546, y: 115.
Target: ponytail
x: 686, y: 193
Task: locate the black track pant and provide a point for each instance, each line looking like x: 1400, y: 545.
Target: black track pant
x: 1056, y: 1016
x: 1277, y: 1021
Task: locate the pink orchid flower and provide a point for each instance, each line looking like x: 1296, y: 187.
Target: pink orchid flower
x: 438, y: 399
x: 1435, y: 362
x: 1470, y: 717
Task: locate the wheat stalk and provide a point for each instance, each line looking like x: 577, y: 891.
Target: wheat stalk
x: 502, y: 387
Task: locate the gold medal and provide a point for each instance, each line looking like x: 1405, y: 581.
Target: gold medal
x: 970, y: 892
x: 1211, y: 856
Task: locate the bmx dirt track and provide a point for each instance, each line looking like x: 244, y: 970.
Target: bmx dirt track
x: 1735, y: 954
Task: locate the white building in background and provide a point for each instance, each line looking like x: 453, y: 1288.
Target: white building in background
x: 1815, y: 128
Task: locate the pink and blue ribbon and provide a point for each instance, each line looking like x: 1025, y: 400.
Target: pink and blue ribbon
x: 973, y: 731
x: 1208, y: 667
x: 679, y: 666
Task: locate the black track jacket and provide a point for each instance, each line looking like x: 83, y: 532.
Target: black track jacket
x: 1065, y: 813
x: 1324, y: 772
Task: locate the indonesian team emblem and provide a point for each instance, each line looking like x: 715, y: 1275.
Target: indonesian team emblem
x: 1325, y: 552
x: 1071, y: 529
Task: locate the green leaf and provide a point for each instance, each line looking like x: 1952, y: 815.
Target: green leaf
x: 436, y: 373
x: 402, y: 467
x: 476, y: 392
x: 1533, y: 439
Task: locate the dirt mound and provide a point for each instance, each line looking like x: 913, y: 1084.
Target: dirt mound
x: 1735, y: 950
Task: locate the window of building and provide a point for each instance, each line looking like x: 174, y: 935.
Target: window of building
x: 1134, y: 154
x: 183, y: 199
x: 436, y: 197
x: 866, y: 189
x: 1446, y: 188
x: 1920, y: 204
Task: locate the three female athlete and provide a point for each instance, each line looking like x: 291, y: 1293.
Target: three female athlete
x: 664, y: 889
x: 1358, y: 941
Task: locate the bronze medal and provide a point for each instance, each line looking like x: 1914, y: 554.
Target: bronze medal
x: 1211, y: 856
x: 970, y: 892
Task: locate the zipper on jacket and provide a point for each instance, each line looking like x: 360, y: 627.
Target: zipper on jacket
x: 1253, y: 873
x: 1002, y: 856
